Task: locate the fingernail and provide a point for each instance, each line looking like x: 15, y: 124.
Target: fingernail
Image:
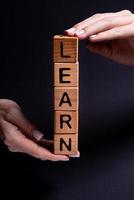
x: 37, y: 135
x: 93, y: 36
x: 75, y: 156
x: 71, y: 30
x: 81, y: 32
x: 66, y: 159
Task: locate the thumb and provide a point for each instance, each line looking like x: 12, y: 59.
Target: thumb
x: 16, y: 117
x: 101, y: 48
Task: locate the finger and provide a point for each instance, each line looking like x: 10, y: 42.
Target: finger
x: 93, y: 19
x: 16, y: 117
x: 6, y: 104
x: 77, y: 155
x: 121, y: 32
x: 17, y: 142
x: 49, y: 144
x: 103, y: 25
x: 45, y: 142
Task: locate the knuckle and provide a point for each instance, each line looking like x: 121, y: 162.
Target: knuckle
x: 12, y: 109
x: 12, y: 149
x: 52, y: 158
x: 97, y: 15
x: 8, y: 102
x: 11, y: 112
x: 35, y: 152
x: 108, y: 20
x: 127, y: 11
x: 47, y: 157
x: 7, y: 141
x: 13, y: 103
x: 36, y: 155
x: 78, y: 25
x: 86, y: 29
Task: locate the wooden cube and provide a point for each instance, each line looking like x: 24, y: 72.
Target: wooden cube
x: 66, y: 74
x: 66, y: 98
x: 66, y: 122
x: 66, y: 144
x: 65, y: 49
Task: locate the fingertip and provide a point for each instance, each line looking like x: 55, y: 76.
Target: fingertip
x: 70, y: 31
x: 77, y: 155
x: 93, y: 36
x: 64, y: 158
x: 61, y: 158
x: 67, y: 159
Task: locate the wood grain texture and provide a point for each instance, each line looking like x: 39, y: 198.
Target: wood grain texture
x: 66, y: 122
x: 66, y: 144
x: 65, y: 49
x: 69, y: 73
x: 66, y: 98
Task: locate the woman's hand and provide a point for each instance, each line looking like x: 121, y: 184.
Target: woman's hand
x: 109, y: 34
x: 20, y: 135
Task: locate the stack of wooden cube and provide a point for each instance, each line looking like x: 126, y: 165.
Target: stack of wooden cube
x: 66, y: 94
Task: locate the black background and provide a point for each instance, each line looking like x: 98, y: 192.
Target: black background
x: 105, y: 169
